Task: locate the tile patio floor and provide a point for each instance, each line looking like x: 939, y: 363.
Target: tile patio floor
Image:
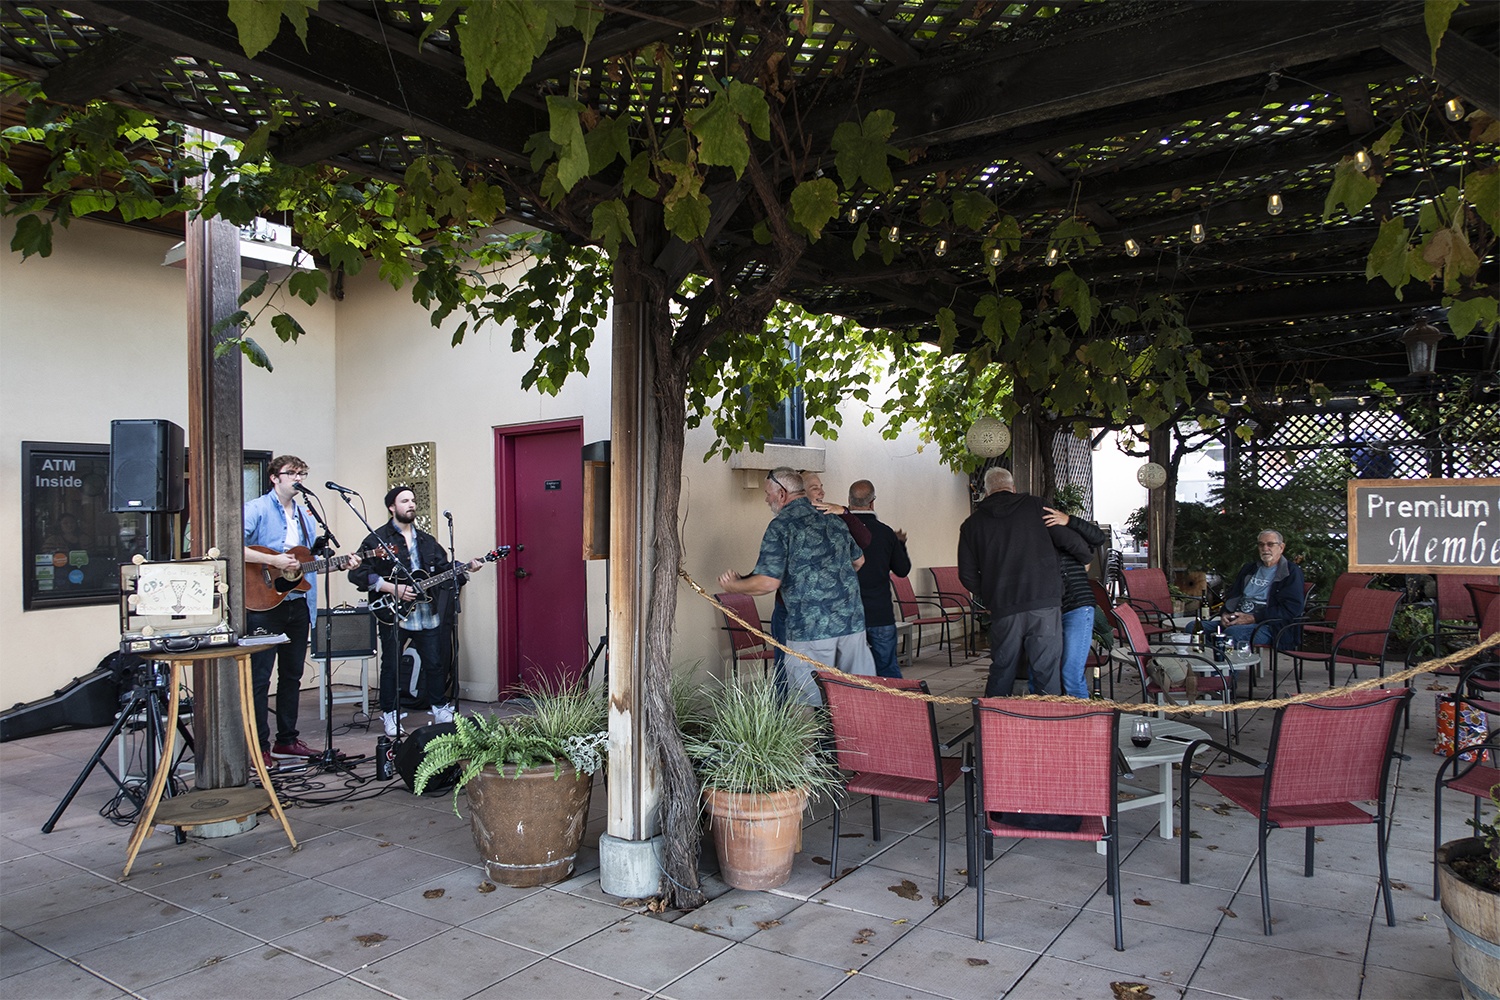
x: 386, y: 898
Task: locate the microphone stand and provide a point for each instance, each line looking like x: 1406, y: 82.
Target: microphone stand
x: 451, y: 687
x: 330, y: 759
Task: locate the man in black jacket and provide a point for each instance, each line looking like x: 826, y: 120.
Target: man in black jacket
x: 1007, y: 558
x: 884, y: 555
x: 423, y: 623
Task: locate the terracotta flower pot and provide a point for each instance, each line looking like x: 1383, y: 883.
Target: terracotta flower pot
x: 756, y: 835
x: 1473, y: 917
x: 528, y: 825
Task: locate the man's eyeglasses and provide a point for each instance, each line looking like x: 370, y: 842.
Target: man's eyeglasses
x: 300, y: 474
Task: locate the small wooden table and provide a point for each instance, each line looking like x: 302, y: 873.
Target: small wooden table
x: 211, y: 805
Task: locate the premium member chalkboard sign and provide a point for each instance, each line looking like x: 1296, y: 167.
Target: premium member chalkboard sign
x: 1424, y: 525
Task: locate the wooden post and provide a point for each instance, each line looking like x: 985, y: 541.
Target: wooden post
x: 634, y: 792
x: 1159, y: 450
x: 1026, y: 459
x: 215, y: 455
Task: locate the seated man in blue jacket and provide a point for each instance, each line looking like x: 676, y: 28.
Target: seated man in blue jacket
x: 1265, y: 595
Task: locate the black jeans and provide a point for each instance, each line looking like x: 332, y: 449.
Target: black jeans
x: 431, y: 648
x: 291, y: 618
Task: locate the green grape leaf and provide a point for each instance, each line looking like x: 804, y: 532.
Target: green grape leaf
x: 814, y: 203
x: 1467, y: 315
x: 861, y: 151
x: 565, y: 116
x: 258, y: 22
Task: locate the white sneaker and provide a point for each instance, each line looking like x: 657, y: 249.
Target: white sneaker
x: 389, y: 718
x: 442, y: 713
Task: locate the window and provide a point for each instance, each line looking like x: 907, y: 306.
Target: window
x: 787, y: 416
x: 72, y: 544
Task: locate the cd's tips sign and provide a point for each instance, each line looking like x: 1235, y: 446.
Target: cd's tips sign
x: 1424, y: 525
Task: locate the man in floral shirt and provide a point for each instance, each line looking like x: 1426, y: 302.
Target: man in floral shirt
x: 811, y: 560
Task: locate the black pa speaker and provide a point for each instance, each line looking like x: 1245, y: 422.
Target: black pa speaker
x: 414, y: 748
x: 145, y: 466
x: 353, y: 633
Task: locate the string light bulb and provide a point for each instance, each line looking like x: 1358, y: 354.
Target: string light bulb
x: 853, y: 215
x: 1274, y: 205
x: 1198, y: 233
x: 1362, y: 161
x: 941, y: 250
x: 1132, y: 248
x: 1454, y: 109
x: 893, y: 233
x: 1053, y: 254
x: 995, y: 257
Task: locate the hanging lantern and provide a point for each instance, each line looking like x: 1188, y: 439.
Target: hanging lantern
x: 988, y: 437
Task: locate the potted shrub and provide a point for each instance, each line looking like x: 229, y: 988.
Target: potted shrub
x: 760, y: 759
x: 527, y: 780
x: 1469, y: 884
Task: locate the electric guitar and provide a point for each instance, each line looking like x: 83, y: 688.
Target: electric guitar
x: 266, y: 586
x: 388, y: 611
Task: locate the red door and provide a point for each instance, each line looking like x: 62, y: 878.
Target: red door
x: 542, y: 592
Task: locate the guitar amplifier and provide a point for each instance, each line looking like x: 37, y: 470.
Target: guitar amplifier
x: 353, y: 633
x: 174, y: 607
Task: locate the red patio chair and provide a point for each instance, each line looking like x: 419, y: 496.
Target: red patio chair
x: 1454, y: 611
x: 1472, y: 777
x: 1218, y: 685
x: 1483, y: 595
x: 1147, y: 590
x: 1359, y: 638
x: 890, y: 743
x: 743, y: 644
x: 910, y: 605
x: 1043, y: 757
x: 953, y: 597
x: 1324, y: 756
x: 1323, y: 620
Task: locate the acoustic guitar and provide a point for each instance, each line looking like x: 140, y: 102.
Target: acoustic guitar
x: 387, y: 610
x: 266, y: 586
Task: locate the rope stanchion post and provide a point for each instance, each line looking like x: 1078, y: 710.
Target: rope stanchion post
x: 1170, y: 708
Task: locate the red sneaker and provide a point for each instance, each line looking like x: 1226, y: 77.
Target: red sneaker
x: 294, y: 749
x: 268, y: 760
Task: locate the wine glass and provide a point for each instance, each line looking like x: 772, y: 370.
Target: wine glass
x: 1140, y: 735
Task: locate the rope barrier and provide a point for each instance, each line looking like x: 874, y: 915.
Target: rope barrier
x: 1169, y: 708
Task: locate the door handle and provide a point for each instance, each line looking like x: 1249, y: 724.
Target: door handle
x: 521, y: 574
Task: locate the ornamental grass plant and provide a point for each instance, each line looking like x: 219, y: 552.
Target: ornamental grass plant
x: 751, y: 740
x: 565, y: 725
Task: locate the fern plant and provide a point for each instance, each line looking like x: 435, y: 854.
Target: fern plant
x: 567, y: 724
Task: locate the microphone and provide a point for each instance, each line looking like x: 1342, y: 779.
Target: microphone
x: 302, y: 489
x: 449, y: 515
x: 342, y: 489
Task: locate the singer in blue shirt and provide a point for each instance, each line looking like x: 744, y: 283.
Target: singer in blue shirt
x: 274, y: 522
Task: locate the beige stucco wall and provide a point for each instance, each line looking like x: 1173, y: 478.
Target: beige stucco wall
x: 96, y: 332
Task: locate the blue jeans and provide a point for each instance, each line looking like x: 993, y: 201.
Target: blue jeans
x: 1078, y: 636
x: 778, y: 632
x: 1258, y: 633
x: 882, y: 639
